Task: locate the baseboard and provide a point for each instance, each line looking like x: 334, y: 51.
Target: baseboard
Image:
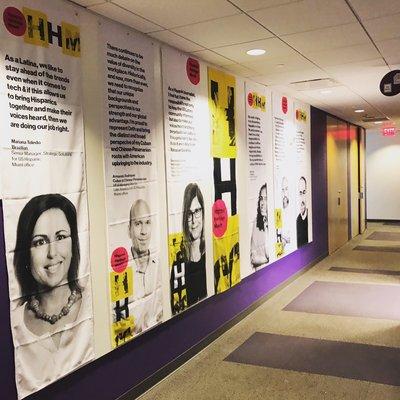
x: 163, y: 372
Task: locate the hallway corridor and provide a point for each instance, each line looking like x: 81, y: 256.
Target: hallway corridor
x: 333, y: 333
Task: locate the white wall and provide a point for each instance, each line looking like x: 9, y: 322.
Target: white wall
x: 383, y: 176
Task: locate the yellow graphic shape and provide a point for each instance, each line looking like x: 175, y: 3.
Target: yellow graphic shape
x: 121, y: 284
x: 176, y: 248
x: 259, y: 101
x: 279, y: 249
x: 36, y: 27
x: 227, y: 257
x: 221, y: 101
x: 122, y: 331
x: 179, y: 301
x: 177, y: 255
x: 278, y: 218
x: 301, y: 115
x: 71, y: 42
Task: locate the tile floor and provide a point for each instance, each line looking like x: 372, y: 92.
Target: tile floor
x: 209, y: 376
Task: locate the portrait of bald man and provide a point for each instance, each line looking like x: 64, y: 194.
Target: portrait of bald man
x: 146, y: 304
x: 302, y: 218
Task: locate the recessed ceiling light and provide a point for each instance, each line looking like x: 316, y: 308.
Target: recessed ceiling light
x: 280, y: 65
x: 360, y: 110
x: 377, y: 122
x: 255, y: 52
x: 325, y: 91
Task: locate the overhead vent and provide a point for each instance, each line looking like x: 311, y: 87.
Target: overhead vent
x: 315, y: 84
x: 367, y: 118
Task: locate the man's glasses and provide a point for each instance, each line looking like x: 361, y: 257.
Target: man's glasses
x: 196, y: 214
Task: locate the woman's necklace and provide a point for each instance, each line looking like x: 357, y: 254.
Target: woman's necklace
x: 33, y: 305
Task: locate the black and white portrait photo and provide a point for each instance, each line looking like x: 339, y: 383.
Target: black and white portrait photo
x: 302, y: 217
x: 52, y: 316
x: 259, y: 255
x: 146, y: 302
x: 188, y: 272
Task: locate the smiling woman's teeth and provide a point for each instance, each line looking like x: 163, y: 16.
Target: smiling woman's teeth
x: 52, y: 268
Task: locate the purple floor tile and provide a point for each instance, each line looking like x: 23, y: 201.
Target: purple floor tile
x: 388, y: 249
x: 366, y: 271
x: 349, y: 299
x: 391, y: 236
x: 324, y: 357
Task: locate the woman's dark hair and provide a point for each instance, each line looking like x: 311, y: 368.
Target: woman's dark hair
x: 260, y: 218
x: 192, y: 191
x: 26, y: 224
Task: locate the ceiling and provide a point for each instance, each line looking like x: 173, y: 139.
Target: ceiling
x: 329, y: 53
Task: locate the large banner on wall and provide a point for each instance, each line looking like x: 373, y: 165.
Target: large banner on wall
x: 225, y: 218
x: 285, y: 169
x: 303, y: 177
x: 260, y: 180
x: 292, y: 174
x: 188, y: 174
x: 131, y: 182
x: 44, y: 192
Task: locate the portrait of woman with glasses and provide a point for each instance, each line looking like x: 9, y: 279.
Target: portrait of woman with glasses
x: 194, y: 243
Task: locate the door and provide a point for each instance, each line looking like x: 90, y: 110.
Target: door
x: 337, y: 160
x: 354, y: 182
x: 362, y: 190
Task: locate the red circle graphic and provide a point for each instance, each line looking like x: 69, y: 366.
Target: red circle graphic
x: 14, y: 21
x: 193, y: 70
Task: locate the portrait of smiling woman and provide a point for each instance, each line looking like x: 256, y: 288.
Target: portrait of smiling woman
x: 52, y: 322
x: 259, y: 238
x: 194, y: 243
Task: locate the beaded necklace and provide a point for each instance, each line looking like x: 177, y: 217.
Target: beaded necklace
x: 33, y: 305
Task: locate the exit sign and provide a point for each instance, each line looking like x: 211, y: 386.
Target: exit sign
x: 389, y: 131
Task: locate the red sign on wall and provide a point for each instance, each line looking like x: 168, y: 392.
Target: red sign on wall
x: 391, y: 131
x: 284, y: 105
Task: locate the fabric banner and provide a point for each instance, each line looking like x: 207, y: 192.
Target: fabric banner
x: 44, y: 192
x: 285, y: 170
x: 131, y: 182
x: 260, y: 180
x: 292, y: 174
x: 303, y: 174
x: 188, y: 167
x: 225, y: 219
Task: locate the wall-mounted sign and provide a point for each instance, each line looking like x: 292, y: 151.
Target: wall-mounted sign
x: 389, y: 131
x: 390, y: 83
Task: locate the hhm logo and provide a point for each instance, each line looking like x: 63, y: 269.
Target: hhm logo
x: 37, y: 30
x: 256, y: 101
x: 301, y: 115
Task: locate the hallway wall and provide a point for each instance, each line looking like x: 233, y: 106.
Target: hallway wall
x: 383, y: 176
x: 117, y: 372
